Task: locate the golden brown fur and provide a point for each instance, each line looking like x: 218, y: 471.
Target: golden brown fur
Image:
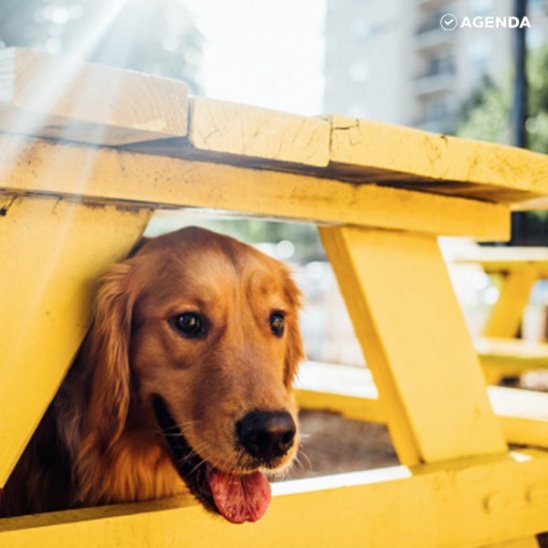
x: 99, y: 442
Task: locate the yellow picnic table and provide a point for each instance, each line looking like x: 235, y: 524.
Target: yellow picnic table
x: 87, y: 153
x: 503, y: 358
x: 501, y: 353
x: 520, y: 268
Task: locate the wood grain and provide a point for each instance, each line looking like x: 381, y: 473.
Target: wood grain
x: 435, y: 163
x: 63, y: 98
x: 219, y: 126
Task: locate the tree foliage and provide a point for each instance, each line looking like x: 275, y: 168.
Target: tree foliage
x: 154, y: 36
x: 486, y: 114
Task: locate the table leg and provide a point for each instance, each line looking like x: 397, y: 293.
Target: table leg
x: 506, y: 316
x: 52, y: 252
x: 416, y: 342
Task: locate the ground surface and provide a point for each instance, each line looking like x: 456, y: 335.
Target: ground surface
x: 331, y: 444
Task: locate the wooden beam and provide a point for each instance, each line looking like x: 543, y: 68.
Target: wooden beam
x: 65, y: 98
x: 33, y: 166
x: 416, y: 343
x: 532, y: 355
x: 464, y: 503
x: 436, y: 163
x: 502, y: 357
x: 507, y: 313
x: 246, y: 131
x: 62, y: 97
x: 52, y: 253
x: 499, y: 260
x: 523, y: 415
x: 349, y: 391
x: 529, y: 542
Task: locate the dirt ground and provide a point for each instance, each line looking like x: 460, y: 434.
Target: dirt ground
x: 331, y: 444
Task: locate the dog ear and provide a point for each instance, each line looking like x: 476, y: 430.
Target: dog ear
x: 137, y: 247
x: 106, y: 356
x: 295, y: 350
x: 104, y: 362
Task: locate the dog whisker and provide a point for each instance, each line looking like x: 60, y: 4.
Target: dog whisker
x: 200, y: 464
x: 302, y: 461
x: 301, y: 453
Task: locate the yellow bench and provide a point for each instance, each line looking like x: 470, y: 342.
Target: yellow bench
x: 503, y: 358
x: 380, y: 196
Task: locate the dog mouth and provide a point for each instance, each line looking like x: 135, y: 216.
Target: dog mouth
x: 236, y: 497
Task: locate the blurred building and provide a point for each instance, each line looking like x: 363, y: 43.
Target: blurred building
x: 392, y: 61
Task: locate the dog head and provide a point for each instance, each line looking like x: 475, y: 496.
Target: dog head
x: 197, y: 334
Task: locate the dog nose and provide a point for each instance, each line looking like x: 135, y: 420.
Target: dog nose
x: 266, y: 435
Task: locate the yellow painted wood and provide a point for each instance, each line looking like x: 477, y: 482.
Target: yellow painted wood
x: 351, y: 407
x: 535, y: 204
x: 350, y: 391
x: 51, y: 252
x: 61, y: 97
x: 436, y: 163
x: 532, y: 354
x: 495, y: 371
x: 344, y: 380
x: 523, y: 415
x: 416, y: 343
x: 505, y: 318
x: 510, y: 357
x: 530, y: 542
x: 33, y: 166
x: 223, y: 127
x: 499, y: 260
x: 464, y: 503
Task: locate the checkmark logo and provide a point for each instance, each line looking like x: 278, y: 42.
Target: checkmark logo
x: 449, y: 22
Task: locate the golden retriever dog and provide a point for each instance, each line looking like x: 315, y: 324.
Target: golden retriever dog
x: 184, y: 383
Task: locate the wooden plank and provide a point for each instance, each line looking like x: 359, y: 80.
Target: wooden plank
x: 530, y: 542
x: 367, y: 409
x: 331, y: 378
x: 223, y: 127
x: 505, y: 317
x: 532, y: 354
x: 33, y: 166
x: 522, y: 268
x: 499, y: 260
x: 495, y: 370
x: 508, y: 357
x: 463, y: 503
x: 351, y: 391
x: 436, y: 163
x: 416, y: 343
x: 61, y: 97
x: 523, y: 415
x: 52, y: 252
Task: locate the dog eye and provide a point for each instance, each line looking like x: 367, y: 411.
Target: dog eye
x: 277, y: 323
x: 189, y: 324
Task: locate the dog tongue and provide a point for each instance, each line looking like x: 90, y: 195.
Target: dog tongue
x: 239, y: 498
